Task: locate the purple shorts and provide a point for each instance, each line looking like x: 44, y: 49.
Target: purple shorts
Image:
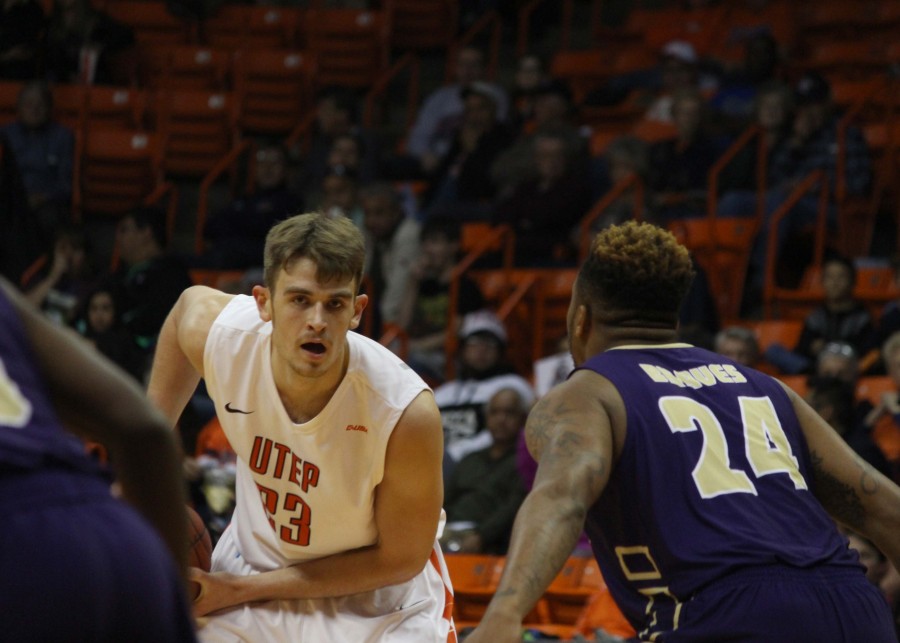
x: 78, y: 565
x: 786, y: 605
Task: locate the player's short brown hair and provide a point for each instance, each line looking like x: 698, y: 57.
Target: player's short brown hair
x: 636, y: 273
x: 334, y: 244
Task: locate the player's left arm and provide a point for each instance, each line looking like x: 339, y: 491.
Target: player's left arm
x: 407, y: 510
x: 849, y: 488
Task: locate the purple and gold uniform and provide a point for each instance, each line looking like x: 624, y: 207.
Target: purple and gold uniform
x: 75, y: 563
x: 708, y: 529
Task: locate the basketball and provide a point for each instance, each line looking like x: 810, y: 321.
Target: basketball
x: 200, y: 548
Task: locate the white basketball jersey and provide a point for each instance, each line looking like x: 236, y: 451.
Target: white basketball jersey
x: 304, y: 491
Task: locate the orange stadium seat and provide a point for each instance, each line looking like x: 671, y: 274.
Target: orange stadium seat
x: 192, y: 67
x: 151, y: 21
x: 274, y: 89
x: 852, y: 59
x: 584, y: 70
x: 422, y: 24
x: 117, y: 170
x: 198, y: 129
x: 351, y: 46
x: 602, y: 613
x: 474, y: 578
x: 252, y: 27
x: 776, y: 331
x: 9, y: 96
x: 114, y: 108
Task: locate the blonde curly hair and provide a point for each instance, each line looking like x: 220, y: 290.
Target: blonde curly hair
x: 636, y: 273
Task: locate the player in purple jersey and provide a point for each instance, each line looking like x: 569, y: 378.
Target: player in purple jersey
x: 705, y: 486
x: 77, y: 564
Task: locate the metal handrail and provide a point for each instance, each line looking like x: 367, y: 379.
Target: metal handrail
x: 501, y: 233
x: 380, y: 87
x: 227, y: 162
x: 770, y: 290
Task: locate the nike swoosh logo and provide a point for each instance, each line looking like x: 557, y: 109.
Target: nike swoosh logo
x: 231, y: 410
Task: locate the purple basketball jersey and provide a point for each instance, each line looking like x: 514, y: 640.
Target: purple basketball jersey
x: 30, y: 433
x: 713, y: 478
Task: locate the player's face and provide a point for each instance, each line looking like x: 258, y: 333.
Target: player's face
x: 310, y: 319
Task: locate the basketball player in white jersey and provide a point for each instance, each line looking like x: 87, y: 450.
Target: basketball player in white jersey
x: 339, y: 453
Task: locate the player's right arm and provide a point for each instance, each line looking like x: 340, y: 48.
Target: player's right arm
x: 850, y: 489
x: 569, y: 432
x: 178, y: 361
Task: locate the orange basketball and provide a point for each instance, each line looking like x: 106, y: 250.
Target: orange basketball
x: 200, y: 548
x: 200, y: 552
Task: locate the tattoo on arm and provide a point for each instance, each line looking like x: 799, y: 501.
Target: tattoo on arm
x: 839, y: 498
x: 541, y: 422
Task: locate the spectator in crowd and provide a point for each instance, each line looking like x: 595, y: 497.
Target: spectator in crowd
x: 21, y: 30
x: 838, y: 360
x: 738, y: 343
x: 392, y: 245
x: 44, y: 152
x: 888, y: 321
x: 811, y: 146
x: 237, y: 233
x: 348, y: 150
x: 839, y: 318
x: 679, y: 166
x: 150, y: 279
x: 544, y: 209
x: 679, y: 71
x: 484, y: 491
x: 552, y: 369
x: 424, y: 312
x: 553, y: 110
x: 554, y: 105
x: 339, y: 194
x: 884, y: 419
x: 82, y: 43
x: 530, y: 73
x: 434, y: 130
x: 733, y: 104
x: 483, y: 370
x: 23, y: 241
x: 101, y: 325
x: 624, y: 158
x: 773, y: 113
x: 59, y: 290
x: 462, y: 184
x: 337, y: 115
x: 835, y: 400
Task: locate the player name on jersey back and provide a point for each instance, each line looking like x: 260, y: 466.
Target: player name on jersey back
x: 698, y: 377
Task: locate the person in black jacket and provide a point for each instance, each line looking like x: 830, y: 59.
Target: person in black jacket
x: 151, y: 279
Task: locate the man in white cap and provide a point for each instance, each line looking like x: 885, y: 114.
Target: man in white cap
x: 483, y: 372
